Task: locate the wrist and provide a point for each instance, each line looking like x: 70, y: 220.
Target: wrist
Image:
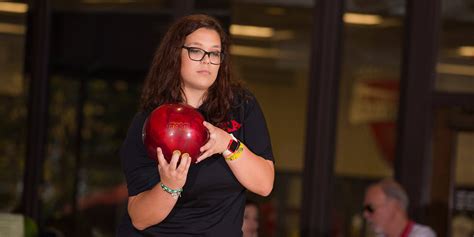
x: 175, y: 193
x: 232, y: 146
x: 237, y: 154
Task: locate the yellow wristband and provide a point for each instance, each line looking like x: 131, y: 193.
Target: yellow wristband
x: 236, y: 155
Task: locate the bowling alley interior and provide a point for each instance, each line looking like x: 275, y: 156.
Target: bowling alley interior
x: 353, y: 91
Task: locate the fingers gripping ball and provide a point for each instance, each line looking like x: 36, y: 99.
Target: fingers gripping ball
x: 175, y: 127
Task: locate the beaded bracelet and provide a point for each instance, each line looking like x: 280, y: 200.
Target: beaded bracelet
x: 175, y: 193
x: 236, y: 155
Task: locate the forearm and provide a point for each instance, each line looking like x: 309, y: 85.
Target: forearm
x: 253, y: 172
x: 150, y: 207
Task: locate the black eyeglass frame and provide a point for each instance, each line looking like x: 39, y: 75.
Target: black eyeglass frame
x: 221, y: 55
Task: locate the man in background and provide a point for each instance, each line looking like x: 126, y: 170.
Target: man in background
x: 385, y: 209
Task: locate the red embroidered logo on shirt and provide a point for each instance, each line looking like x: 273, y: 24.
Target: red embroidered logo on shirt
x: 232, y: 126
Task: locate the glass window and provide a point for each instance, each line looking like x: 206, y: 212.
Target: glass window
x: 13, y: 99
x: 465, y: 159
x: 456, y: 51
x: 101, y: 51
x: 271, y: 51
x: 368, y: 103
x: 463, y: 208
x: 82, y: 162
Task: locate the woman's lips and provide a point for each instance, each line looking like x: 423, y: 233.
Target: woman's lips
x: 204, y: 72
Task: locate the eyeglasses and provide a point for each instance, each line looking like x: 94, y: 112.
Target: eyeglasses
x: 369, y: 208
x: 198, y: 54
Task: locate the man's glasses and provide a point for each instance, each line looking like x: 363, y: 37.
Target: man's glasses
x: 198, y: 54
x: 369, y: 208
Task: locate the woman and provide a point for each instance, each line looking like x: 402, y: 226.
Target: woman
x: 191, y: 66
x: 251, y: 219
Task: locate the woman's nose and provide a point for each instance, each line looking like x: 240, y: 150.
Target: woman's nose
x: 206, y: 59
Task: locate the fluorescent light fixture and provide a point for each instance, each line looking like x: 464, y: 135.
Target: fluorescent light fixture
x: 13, y: 7
x: 362, y: 19
x: 466, y: 51
x: 252, y: 31
x: 14, y: 29
x: 455, y: 69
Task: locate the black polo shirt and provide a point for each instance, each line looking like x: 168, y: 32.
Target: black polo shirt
x: 213, y: 200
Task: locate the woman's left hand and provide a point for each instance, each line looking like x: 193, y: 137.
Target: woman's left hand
x: 218, y: 142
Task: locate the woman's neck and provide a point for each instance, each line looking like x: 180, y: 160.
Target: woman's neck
x: 194, y: 98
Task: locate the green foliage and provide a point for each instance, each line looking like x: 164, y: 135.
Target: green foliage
x: 12, y: 149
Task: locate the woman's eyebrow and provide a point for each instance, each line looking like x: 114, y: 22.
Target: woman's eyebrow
x: 201, y: 45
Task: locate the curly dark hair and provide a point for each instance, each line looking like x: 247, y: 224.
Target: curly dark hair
x: 163, y: 83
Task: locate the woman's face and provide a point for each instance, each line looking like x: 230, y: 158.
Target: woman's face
x: 200, y: 75
x: 250, y: 226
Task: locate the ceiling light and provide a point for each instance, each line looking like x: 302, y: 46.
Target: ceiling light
x: 13, y: 7
x: 362, y: 19
x: 466, y: 51
x: 252, y: 31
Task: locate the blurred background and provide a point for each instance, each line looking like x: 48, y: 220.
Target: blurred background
x: 401, y: 104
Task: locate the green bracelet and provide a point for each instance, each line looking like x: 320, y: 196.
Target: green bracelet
x: 175, y: 193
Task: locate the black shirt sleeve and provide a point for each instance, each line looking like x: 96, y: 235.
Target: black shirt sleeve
x: 140, y: 171
x: 256, y: 136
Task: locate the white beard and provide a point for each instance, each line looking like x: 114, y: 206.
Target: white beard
x: 378, y: 231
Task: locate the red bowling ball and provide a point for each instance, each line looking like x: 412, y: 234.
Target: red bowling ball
x: 175, y: 127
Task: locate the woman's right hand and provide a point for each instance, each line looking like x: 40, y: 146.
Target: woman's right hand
x: 143, y: 208
x: 172, y: 174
